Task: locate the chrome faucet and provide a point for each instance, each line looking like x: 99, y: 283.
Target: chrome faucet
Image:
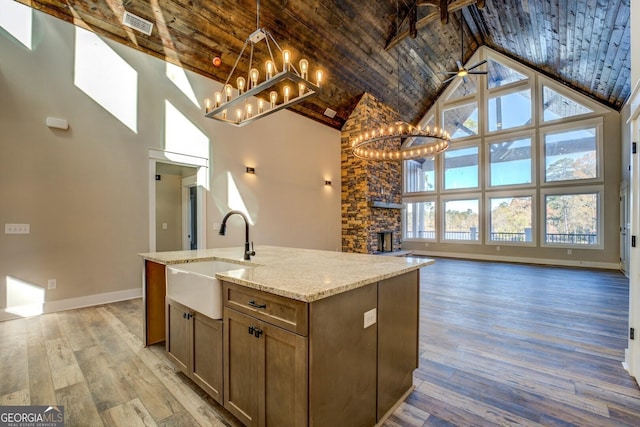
x: 223, y: 228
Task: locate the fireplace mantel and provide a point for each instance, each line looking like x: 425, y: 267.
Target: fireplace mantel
x: 384, y: 205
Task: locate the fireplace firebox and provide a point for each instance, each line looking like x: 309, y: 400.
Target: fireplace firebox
x: 385, y: 241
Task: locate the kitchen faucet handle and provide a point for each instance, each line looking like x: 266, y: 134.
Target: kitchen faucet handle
x: 253, y: 252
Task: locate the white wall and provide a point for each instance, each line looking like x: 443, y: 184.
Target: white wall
x: 85, y: 191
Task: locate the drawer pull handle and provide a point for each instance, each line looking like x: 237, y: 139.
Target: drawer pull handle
x: 251, y: 329
x: 252, y: 303
x: 257, y: 332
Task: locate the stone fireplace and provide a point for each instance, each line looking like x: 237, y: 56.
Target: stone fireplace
x: 371, y: 191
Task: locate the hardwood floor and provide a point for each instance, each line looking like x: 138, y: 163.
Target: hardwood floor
x: 501, y: 344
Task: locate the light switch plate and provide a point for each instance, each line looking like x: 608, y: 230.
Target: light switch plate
x: 370, y: 317
x: 17, y: 229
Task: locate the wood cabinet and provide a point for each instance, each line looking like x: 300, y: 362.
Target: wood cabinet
x: 194, y: 345
x: 344, y: 360
x: 265, y: 374
x: 398, y: 320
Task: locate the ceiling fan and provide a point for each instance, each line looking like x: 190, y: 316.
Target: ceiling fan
x: 462, y: 71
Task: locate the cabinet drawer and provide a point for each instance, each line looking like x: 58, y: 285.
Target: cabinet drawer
x: 284, y: 312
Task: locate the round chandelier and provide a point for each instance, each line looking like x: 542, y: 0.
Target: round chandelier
x: 387, y: 142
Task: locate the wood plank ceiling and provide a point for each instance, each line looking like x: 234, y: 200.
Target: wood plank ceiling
x: 585, y: 44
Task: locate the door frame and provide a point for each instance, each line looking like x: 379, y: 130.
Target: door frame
x: 625, y: 227
x: 202, y: 181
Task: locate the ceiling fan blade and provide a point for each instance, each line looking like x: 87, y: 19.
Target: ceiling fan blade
x: 477, y: 72
x: 477, y: 65
x: 449, y: 73
x: 459, y: 65
x: 465, y: 80
x: 449, y: 79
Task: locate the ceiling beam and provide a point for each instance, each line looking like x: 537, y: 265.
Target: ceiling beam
x: 444, y: 9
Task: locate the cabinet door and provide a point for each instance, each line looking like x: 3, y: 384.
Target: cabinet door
x: 207, y: 355
x: 241, y: 367
x: 178, y: 342
x: 285, y: 377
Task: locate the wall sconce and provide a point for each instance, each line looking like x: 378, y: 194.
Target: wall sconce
x: 251, y: 171
x: 327, y: 183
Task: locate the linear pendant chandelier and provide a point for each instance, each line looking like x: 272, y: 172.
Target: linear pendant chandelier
x: 253, y: 97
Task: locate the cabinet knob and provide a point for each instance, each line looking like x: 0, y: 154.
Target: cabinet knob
x: 251, y: 329
x: 257, y: 332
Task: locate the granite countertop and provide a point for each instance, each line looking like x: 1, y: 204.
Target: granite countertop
x: 302, y: 274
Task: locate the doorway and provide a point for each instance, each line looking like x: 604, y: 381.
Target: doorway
x: 177, y: 208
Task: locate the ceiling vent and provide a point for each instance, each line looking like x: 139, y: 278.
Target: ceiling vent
x: 137, y: 23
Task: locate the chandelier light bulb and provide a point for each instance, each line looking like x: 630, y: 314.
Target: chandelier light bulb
x: 240, y: 82
x: 287, y: 93
x: 253, y: 76
x: 207, y: 104
x: 249, y: 110
x: 304, y: 69
x: 239, y: 115
x: 286, y: 59
x: 228, y: 90
x: 217, y: 99
x: 260, y: 105
x: 269, y: 67
x: 319, y: 75
x: 301, y: 88
x: 273, y: 97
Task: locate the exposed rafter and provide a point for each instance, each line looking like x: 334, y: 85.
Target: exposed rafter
x: 440, y: 10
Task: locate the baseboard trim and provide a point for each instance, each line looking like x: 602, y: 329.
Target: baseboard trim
x: 70, y: 304
x: 521, y: 260
x: 91, y: 300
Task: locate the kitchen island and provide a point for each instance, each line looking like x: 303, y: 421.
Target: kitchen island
x: 307, y: 337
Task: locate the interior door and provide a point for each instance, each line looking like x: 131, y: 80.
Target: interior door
x: 624, y: 230
x: 190, y: 209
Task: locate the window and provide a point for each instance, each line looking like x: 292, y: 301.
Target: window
x: 464, y: 89
x: 501, y: 75
x: 510, y: 162
x: 420, y: 220
x: 572, y: 219
x: 510, y: 110
x: 511, y: 219
x: 419, y: 175
x: 461, y: 121
x: 525, y: 167
x: 461, y: 220
x: 571, y: 155
x: 557, y: 106
x: 461, y: 168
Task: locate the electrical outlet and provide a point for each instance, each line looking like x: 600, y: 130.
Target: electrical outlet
x: 164, y: 226
x: 17, y: 229
x: 52, y: 284
x: 498, y: 248
x: 569, y: 251
x: 370, y: 317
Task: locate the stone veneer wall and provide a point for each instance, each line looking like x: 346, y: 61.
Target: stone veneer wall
x: 368, y: 181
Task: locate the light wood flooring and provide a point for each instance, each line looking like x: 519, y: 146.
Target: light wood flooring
x: 501, y: 344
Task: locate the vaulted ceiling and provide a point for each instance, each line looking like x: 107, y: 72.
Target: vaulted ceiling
x: 395, y: 50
